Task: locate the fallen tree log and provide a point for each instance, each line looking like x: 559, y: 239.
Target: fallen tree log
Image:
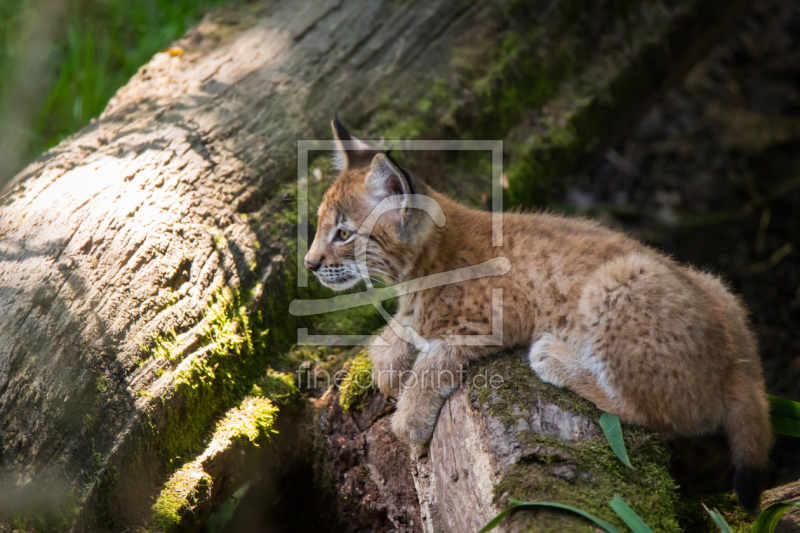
x: 147, y: 262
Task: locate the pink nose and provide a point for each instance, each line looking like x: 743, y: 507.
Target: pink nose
x: 313, y: 266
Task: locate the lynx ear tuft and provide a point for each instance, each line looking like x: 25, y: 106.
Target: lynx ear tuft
x: 350, y: 152
x: 340, y: 133
x: 386, y: 178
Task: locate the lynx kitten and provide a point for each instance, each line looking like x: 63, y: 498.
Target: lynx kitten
x: 658, y: 344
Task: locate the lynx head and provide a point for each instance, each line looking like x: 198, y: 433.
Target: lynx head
x: 392, y: 233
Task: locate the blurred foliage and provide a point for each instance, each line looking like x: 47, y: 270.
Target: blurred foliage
x: 100, y: 44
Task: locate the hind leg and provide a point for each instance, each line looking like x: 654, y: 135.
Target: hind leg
x: 558, y: 364
x: 661, y: 341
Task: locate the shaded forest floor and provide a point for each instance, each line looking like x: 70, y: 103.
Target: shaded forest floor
x: 712, y: 177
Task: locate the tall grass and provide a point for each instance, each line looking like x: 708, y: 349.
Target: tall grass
x: 96, y: 46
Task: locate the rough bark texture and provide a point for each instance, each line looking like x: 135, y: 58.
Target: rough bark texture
x: 129, y: 252
x: 791, y: 520
x: 365, y: 466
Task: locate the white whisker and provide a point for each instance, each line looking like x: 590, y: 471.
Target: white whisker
x: 386, y: 274
x: 383, y: 263
x: 379, y: 271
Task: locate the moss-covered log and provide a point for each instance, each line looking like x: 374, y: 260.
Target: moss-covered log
x: 147, y: 262
x: 504, y: 434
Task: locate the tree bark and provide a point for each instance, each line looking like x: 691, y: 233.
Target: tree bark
x: 126, y: 250
x: 791, y: 491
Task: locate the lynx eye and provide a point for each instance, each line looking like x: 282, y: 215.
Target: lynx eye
x: 344, y: 234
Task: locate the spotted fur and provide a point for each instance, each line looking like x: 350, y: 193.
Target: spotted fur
x: 659, y: 344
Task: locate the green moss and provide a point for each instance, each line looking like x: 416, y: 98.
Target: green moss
x: 225, y: 334
x: 180, y: 495
x: 521, y: 390
x: 570, y: 131
x: 304, y: 353
x: 547, y: 91
x: 252, y: 419
x: 363, y: 320
x: 597, y: 473
x: 238, y: 343
x: 279, y: 387
x: 493, y: 82
x: 694, y: 518
x: 171, y: 296
x: 88, y: 422
x: 165, y: 347
x: 357, y: 385
x: 227, y: 330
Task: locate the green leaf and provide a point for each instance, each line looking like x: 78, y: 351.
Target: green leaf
x: 494, y: 522
x: 717, y: 518
x: 769, y: 517
x: 519, y: 504
x: 785, y: 415
x: 613, y: 430
x: 629, y: 516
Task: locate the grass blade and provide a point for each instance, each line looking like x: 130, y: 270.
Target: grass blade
x: 613, y: 431
x: 494, y: 522
x: 629, y: 516
x: 769, y: 517
x: 785, y: 415
x: 519, y: 504
x: 717, y: 518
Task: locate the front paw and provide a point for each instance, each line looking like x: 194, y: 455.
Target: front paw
x: 414, y: 422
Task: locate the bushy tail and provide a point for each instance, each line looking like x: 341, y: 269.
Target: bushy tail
x: 750, y: 435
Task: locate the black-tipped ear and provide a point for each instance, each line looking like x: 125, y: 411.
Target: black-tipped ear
x: 340, y: 133
x: 350, y: 152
